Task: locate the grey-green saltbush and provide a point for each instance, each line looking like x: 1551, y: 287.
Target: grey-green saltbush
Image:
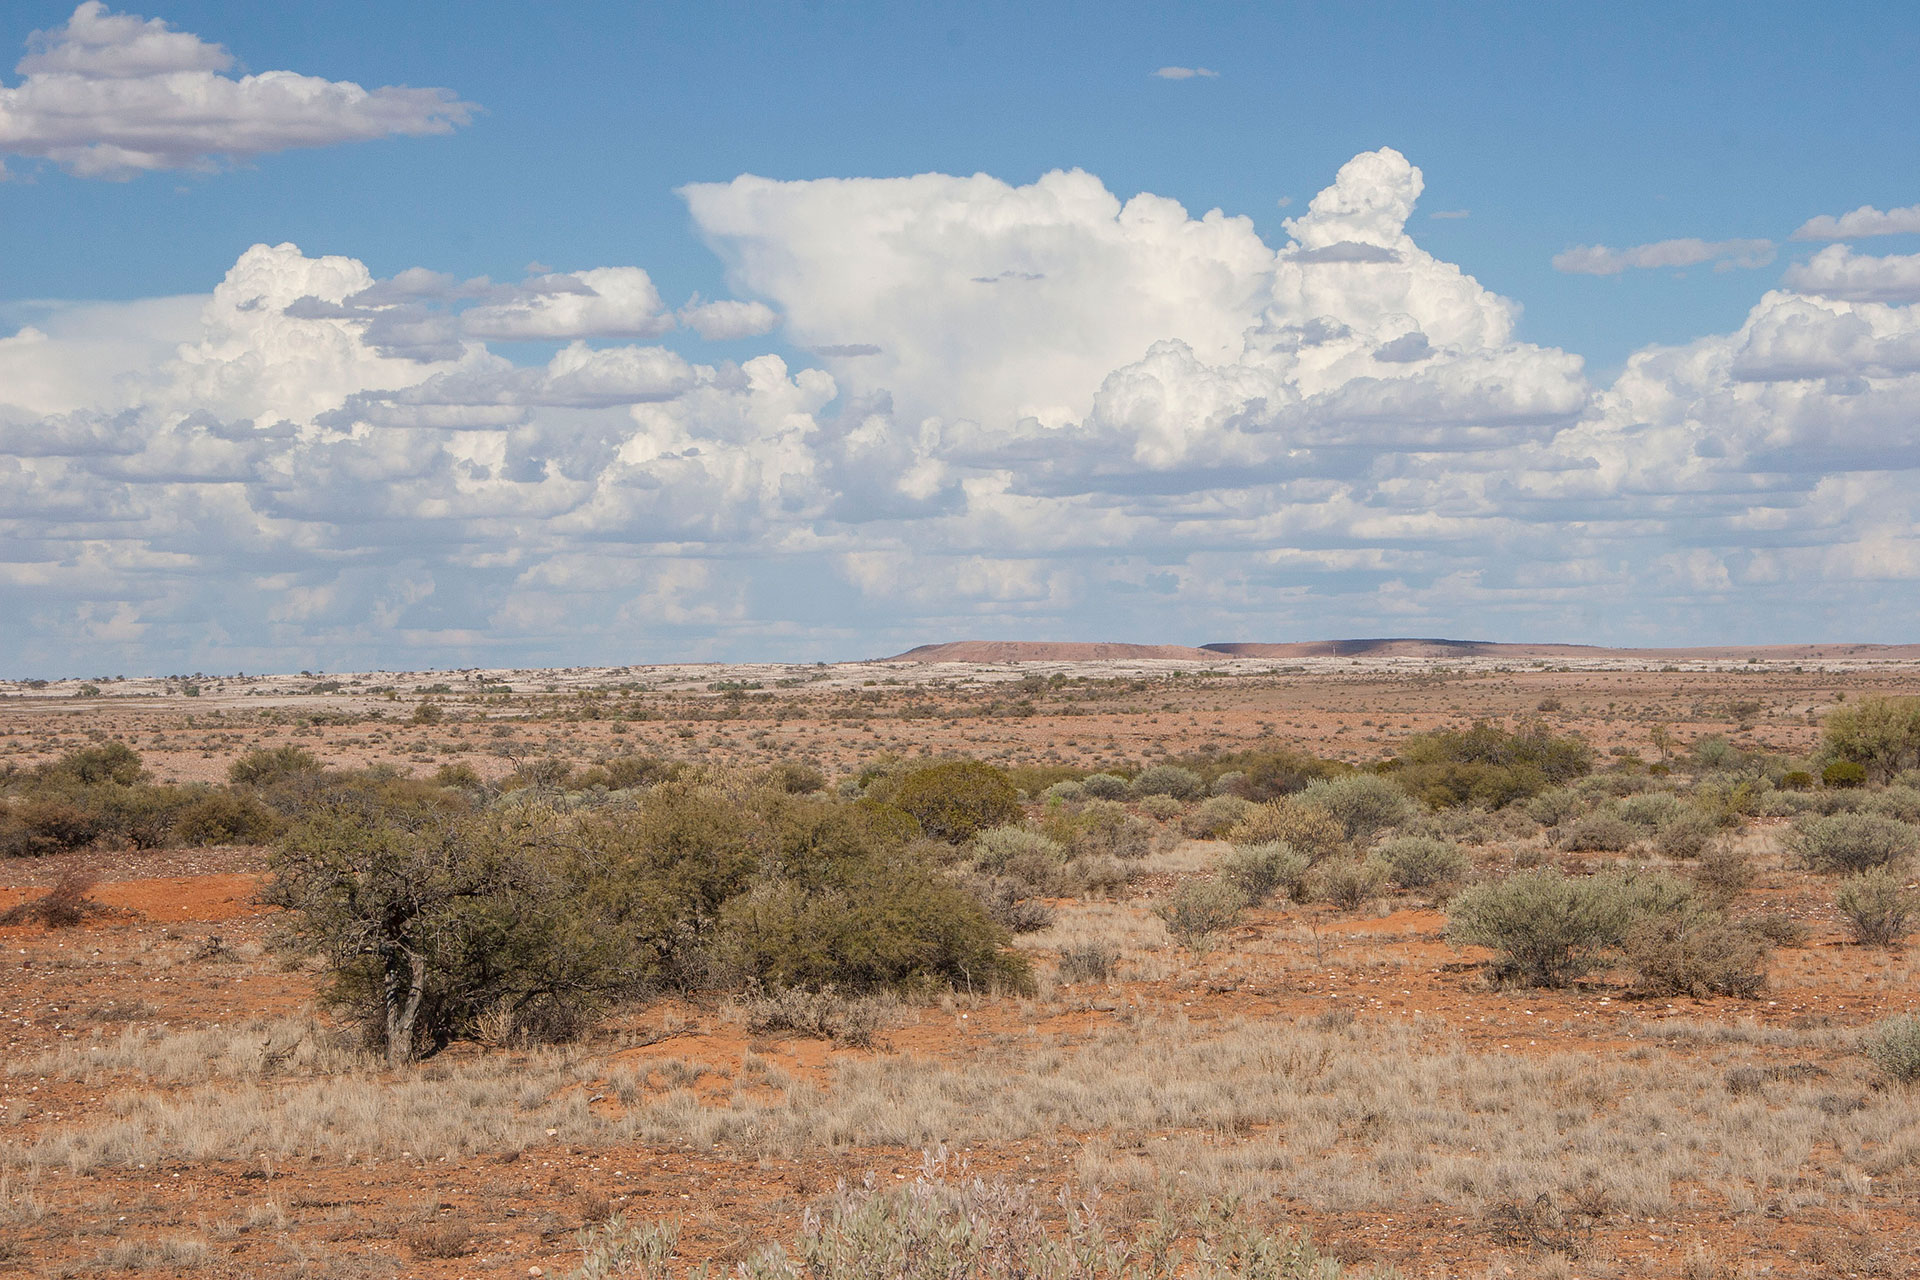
x: 1363, y: 803
x: 1421, y: 862
x: 1852, y: 841
x: 1878, y: 906
x: 1169, y: 780
x: 1104, y: 786
x: 1199, y: 910
x: 1894, y: 1046
x: 1547, y: 928
x: 1258, y: 871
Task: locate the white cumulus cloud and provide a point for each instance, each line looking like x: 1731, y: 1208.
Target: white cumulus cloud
x: 1860, y: 223
x: 109, y: 95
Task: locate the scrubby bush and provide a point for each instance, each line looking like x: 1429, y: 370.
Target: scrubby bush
x: 1104, y: 786
x: 1878, y: 906
x: 1547, y: 928
x: 1552, y: 807
x: 1308, y: 829
x: 1009, y: 902
x: 995, y: 850
x: 952, y: 801
x: 1258, y: 871
x: 267, y: 765
x: 1348, y: 883
x: 1695, y: 952
x: 1421, y: 862
x: 1231, y: 783
x: 1601, y: 832
x: 1724, y: 871
x: 1100, y: 828
x: 1169, y: 780
x: 224, y: 817
x: 825, y: 1014
x: 1848, y: 842
x: 1894, y: 1046
x: 113, y: 762
x: 1199, y: 910
x: 1063, y: 791
x: 1214, y: 817
x: 1488, y: 766
x: 1362, y: 803
x: 1161, y: 808
x: 794, y: 777
x: 1896, y: 801
x: 1881, y: 735
x: 1684, y: 834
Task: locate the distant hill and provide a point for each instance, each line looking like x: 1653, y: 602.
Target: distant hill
x: 1002, y: 651
x: 1046, y: 651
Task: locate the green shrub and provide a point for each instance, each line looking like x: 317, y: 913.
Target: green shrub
x: 114, y: 762
x: 1881, y: 735
x: 1309, y: 830
x: 794, y: 778
x: 1421, y: 862
x: 1544, y: 927
x: 1878, y: 906
x: 223, y: 817
x: 886, y: 921
x: 1169, y: 780
x: 1487, y: 765
x: 1894, y: 1046
x: 428, y: 927
x: 1901, y: 803
x: 1847, y: 842
x: 1064, y: 790
x: 267, y: 765
x: 1214, y: 817
x: 1104, y: 786
x: 1795, y: 780
x: 55, y: 824
x: 1199, y: 911
x: 952, y: 801
x: 1257, y: 871
x: 1695, y: 953
x: 1362, y: 803
x: 1843, y: 774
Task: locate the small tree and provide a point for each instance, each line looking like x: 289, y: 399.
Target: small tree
x: 427, y: 921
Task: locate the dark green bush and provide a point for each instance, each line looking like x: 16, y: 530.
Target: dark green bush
x: 1842, y: 774
x: 952, y: 801
x: 1880, y: 735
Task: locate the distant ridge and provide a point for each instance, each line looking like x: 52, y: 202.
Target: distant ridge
x: 1046, y: 651
x: 1003, y: 651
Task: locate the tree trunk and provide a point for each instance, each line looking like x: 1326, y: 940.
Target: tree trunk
x: 406, y: 983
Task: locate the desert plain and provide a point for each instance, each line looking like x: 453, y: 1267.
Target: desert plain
x: 175, y: 1100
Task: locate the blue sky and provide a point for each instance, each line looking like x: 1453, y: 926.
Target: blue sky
x: 567, y: 133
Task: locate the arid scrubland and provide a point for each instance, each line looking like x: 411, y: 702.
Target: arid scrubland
x: 1345, y: 970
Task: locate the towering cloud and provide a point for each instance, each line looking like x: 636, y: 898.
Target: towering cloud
x: 1042, y: 407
